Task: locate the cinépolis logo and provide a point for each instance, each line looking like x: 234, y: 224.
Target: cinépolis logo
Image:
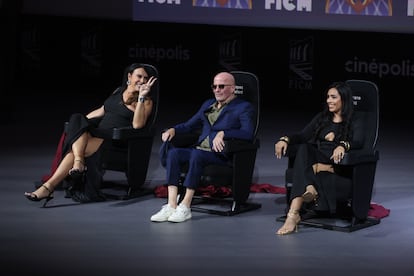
x: 178, y: 52
x: 403, y: 68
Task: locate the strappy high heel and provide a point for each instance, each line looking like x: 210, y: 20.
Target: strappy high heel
x: 310, y: 195
x: 78, y: 174
x: 292, y: 218
x: 34, y: 197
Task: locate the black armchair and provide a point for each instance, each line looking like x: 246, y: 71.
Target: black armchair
x: 237, y: 175
x: 354, y: 190
x: 130, y: 149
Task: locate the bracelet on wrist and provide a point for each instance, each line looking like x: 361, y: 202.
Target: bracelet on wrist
x: 345, y: 145
x: 284, y: 139
x: 141, y: 99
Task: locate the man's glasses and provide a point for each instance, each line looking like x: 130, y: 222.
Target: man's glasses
x: 220, y: 86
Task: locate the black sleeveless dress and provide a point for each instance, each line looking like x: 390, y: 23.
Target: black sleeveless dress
x: 116, y: 115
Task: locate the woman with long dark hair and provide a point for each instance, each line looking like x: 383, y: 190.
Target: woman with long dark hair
x: 321, y: 146
x: 129, y: 105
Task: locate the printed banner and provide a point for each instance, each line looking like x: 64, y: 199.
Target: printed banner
x: 360, y: 7
x: 372, y: 15
x: 230, y: 4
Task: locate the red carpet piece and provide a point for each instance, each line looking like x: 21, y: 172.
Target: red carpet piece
x: 211, y: 190
x: 376, y: 210
x: 56, y: 159
x: 267, y: 188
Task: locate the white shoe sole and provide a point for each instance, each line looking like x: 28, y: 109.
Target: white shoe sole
x: 179, y: 220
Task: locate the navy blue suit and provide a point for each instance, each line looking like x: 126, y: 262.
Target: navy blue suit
x: 236, y: 120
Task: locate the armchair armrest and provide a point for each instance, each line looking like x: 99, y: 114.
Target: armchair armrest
x: 126, y: 133
x: 355, y: 157
x: 233, y: 145
x: 237, y: 145
x: 291, y: 151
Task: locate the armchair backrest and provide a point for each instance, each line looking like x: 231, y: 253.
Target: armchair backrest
x: 366, y: 103
x: 247, y: 88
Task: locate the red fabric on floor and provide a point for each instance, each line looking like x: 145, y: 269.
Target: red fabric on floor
x: 222, y: 191
x: 56, y: 159
x: 378, y: 211
x: 375, y: 211
x: 267, y: 188
x: 211, y: 190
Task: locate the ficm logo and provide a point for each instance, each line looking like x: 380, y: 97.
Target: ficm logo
x: 289, y: 5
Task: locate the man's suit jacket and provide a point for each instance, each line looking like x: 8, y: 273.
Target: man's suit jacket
x: 236, y: 120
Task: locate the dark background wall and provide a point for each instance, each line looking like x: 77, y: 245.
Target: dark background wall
x: 67, y: 56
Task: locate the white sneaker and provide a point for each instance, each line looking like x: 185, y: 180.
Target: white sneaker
x: 163, y: 214
x: 182, y: 213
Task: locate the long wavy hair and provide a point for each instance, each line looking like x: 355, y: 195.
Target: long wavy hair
x: 326, y: 117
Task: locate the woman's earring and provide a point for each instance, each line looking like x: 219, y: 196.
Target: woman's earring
x: 128, y: 82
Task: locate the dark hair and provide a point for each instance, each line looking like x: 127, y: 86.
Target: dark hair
x: 326, y: 118
x: 129, y: 69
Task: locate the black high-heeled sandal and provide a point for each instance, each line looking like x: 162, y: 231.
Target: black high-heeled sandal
x: 77, y: 175
x: 34, y: 197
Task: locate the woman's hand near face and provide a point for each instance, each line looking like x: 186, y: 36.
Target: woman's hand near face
x: 145, y: 88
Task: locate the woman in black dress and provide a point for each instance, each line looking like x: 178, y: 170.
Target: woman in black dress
x: 129, y: 105
x: 321, y: 145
